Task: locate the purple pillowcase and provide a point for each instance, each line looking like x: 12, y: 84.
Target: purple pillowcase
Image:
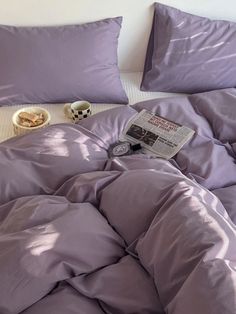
x: 188, y: 53
x: 61, y: 63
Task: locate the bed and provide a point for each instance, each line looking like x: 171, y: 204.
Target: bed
x: 83, y: 232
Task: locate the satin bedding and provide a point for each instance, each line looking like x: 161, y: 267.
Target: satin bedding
x: 82, y: 233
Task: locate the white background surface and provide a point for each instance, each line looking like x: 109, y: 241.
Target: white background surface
x: 136, y: 25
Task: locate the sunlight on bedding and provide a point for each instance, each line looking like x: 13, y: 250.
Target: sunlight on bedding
x: 56, y: 133
x: 197, y: 50
x: 84, y: 151
x: 83, y: 141
x: 44, y: 241
x: 55, y: 144
x: 189, y: 37
x: 180, y: 24
x: 233, y: 55
x: 203, y: 48
x: 56, y: 147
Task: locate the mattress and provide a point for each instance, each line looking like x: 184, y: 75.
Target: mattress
x: 130, y: 80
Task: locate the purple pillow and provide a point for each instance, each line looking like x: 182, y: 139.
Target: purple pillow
x: 61, y: 63
x: 188, y: 53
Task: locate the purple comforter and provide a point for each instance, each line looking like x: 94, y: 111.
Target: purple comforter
x: 81, y: 233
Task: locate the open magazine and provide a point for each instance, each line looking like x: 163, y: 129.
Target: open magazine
x: 158, y: 135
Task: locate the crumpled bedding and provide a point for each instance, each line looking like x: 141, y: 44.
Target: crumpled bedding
x: 82, y: 233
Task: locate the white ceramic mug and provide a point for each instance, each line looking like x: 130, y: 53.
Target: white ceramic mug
x: 78, y: 110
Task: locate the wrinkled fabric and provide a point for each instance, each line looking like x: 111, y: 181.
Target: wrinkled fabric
x: 82, y: 233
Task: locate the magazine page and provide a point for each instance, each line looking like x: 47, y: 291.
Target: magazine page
x: 161, y: 136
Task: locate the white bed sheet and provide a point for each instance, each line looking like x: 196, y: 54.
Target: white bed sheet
x: 130, y: 81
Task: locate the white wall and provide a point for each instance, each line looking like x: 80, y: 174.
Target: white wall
x: 136, y: 25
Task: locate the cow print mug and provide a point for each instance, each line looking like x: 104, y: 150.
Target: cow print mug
x: 78, y: 110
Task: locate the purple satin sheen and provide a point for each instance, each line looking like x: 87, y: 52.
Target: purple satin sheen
x: 188, y: 53
x: 81, y: 233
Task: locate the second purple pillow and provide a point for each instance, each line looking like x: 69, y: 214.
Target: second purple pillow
x: 188, y: 53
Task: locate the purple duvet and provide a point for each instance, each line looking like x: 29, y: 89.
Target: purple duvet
x: 84, y: 234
